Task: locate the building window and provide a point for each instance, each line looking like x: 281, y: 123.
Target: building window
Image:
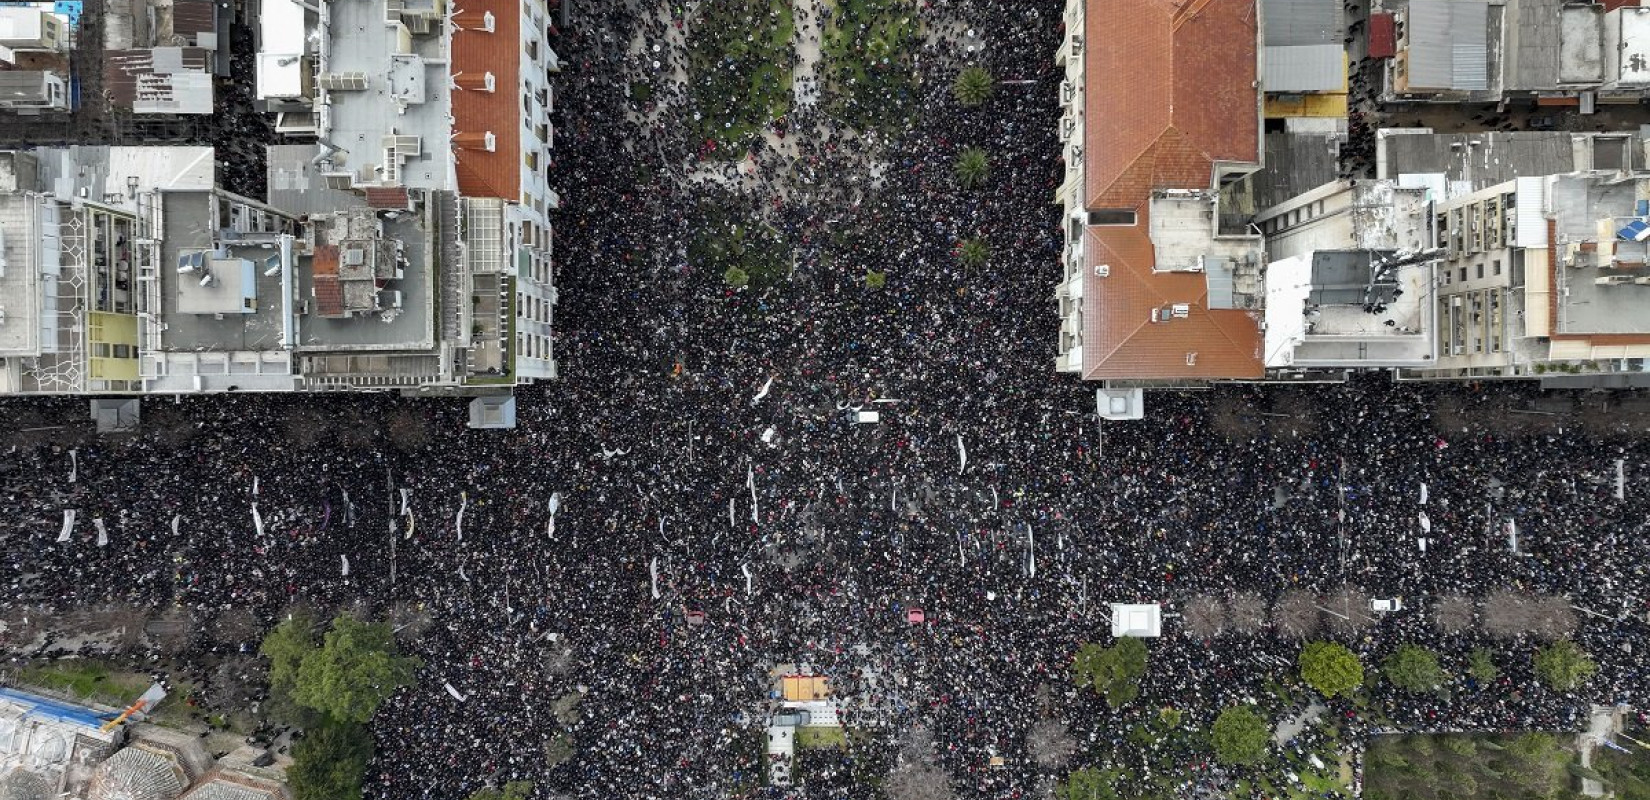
x: 1497, y: 265
x: 1480, y: 270
x: 1463, y: 274
x: 1112, y: 216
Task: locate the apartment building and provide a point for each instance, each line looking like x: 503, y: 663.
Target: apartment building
x: 1162, y: 109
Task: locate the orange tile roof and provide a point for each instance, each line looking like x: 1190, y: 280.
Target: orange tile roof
x: 1169, y: 92
x: 1119, y: 338
x: 480, y: 173
x: 329, y: 292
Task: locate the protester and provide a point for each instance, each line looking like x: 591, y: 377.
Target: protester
x: 701, y: 455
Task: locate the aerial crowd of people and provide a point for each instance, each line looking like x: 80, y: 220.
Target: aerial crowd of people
x: 701, y: 457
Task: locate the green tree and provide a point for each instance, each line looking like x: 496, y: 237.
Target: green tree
x: 330, y: 762
x: 974, y: 252
x: 736, y: 277
x: 1089, y: 784
x: 1239, y: 736
x: 973, y: 86
x: 1113, y: 671
x: 356, y: 669
x: 1481, y: 665
x: 1413, y: 668
x: 286, y: 647
x: 972, y: 168
x: 1564, y: 666
x: 514, y: 790
x: 1330, y: 668
x: 875, y: 280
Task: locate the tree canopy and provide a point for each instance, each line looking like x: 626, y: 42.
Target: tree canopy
x: 1089, y: 784
x: 1240, y: 736
x: 514, y: 790
x: 1330, y: 668
x: 1113, y: 671
x: 356, y: 668
x: 1413, y: 668
x: 330, y: 762
x: 1564, y: 666
x: 972, y: 86
x: 286, y: 646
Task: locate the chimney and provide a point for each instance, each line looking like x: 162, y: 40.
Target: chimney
x: 475, y: 141
x: 475, y: 81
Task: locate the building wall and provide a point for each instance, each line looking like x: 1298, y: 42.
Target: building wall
x: 1070, y: 195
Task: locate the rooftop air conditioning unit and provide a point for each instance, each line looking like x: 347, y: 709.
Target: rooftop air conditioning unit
x: 1182, y: 310
x: 1102, y: 270
x: 355, y: 257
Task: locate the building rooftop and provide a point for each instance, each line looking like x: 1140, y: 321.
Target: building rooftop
x: 214, y: 318
x: 1599, y: 294
x: 1468, y: 162
x: 297, y: 183
x: 399, y: 264
x: 1449, y: 44
x: 1171, y: 104
x: 1347, y: 308
x: 161, y: 80
x: 1305, y: 46
x: 395, y: 130
x: 476, y: 52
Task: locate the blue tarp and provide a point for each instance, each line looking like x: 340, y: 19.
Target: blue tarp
x: 54, y: 709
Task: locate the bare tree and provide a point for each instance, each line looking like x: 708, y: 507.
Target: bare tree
x: 409, y: 621
x: 1049, y: 743
x: 1554, y: 618
x: 1246, y: 613
x: 172, y: 630
x: 305, y: 427
x: 169, y: 423
x: 1508, y: 613
x: 1453, y: 614
x: 1205, y: 616
x: 1296, y: 614
x: 918, y: 780
x: 407, y: 429
x: 1350, y: 607
x: 234, y: 626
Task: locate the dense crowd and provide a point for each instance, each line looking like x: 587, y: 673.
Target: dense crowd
x: 698, y: 455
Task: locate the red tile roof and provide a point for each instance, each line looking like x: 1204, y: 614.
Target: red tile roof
x: 498, y: 173
x: 329, y: 292
x: 1170, y: 91
x: 388, y: 197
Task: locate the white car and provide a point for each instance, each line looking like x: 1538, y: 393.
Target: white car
x: 1390, y: 604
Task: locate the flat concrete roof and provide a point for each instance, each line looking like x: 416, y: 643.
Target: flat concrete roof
x: 406, y: 95
x: 187, y: 215
x: 409, y: 328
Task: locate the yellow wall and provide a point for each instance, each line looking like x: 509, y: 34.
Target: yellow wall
x: 103, y: 332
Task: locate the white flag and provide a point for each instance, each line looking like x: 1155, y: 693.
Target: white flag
x: 746, y: 568
x: 463, y: 503
x: 406, y: 495
x: 455, y: 693
x: 653, y: 575
x: 68, y: 525
x: 257, y: 519
x: 343, y: 564
x: 1423, y: 493
x: 102, y: 532
x: 962, y: 456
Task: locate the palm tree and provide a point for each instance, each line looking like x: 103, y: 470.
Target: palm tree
x: 974, y: 252
x: 875, y: 280
x: 736, y: 277
x: 973, y: 86
x: 972, y: 168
